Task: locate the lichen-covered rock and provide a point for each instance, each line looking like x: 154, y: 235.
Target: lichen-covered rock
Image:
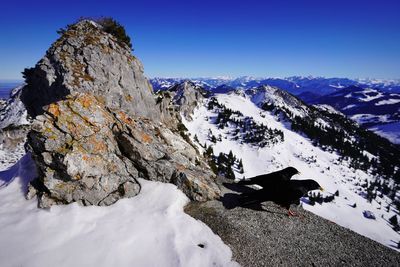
x: 87, y: 59
x: 163, y: 155
x: 85, y: 153
x: 77, y: 156
x: 97, y: 128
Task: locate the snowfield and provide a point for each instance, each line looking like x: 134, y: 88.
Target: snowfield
x: 390, y: 131
x: 148, y: 230
x: 298, y: 151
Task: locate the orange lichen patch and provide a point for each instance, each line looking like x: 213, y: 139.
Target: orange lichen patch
x: 87, y: 77
x: 146, y: 138
x: 72, y: 129
x: 128, y: 98
x: 180, y: 167
x: 85, y: 158
x: 97, y: 146
x: 101, y: 99
x: 125, y: 118
x: 54, y: 110
x: 86, y: 101
x: 77, y: 177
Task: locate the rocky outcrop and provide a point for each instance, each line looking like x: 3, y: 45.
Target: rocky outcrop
x: 12, y: 112
x: 86, y: 59
x: 97, y: 128
x: 180, y: 99
x: 14, y: 126
x: 88, y: 154
x: 77, y: 156
x: 187, y: 96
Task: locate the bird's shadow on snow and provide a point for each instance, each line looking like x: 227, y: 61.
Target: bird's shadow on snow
x: 24, y: 170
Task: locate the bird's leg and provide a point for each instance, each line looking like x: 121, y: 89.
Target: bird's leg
x: 291, y: 213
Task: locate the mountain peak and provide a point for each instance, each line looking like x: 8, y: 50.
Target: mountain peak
x: 87, y: 59
x: 97, y: 127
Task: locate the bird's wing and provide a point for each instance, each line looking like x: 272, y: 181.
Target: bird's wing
x: 298, y: 188
x: 265, y: 179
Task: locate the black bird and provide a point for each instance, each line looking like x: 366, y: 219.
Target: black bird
x: 283, y: 193
x: 271, y: 179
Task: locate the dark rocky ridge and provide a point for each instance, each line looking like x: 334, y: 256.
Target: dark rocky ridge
x: 97, y: 128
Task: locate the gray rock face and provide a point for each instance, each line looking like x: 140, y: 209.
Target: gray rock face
x: 187, y: 96
x: 14, y: 126
x: 97, y: 129
x: 179, y: 100
x: 12, y: 111
x: 88, y: 154
x: 89, y: 60
x: 77, y: 156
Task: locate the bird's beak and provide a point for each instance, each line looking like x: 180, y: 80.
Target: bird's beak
x: 321, y: 189
x: 298, y: 173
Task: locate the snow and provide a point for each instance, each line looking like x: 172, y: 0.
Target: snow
x: 366, y: 118
x: 148, y: 230
x: 390, y: 131
x: 311, y: 161
x: 349, y: 107
x: 329, y: 109
x: 387, y: 102
x: 338, y: 86
x: 347, y: 96
x: 367, y: 97
x: 368, y: 94
x: 269, y: 94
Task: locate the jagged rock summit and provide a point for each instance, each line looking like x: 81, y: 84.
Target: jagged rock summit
x: 180, y: 99
x: 87, y: 59
x: 97, y: 128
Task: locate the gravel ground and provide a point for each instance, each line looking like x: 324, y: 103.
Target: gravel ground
x: 268, y: 237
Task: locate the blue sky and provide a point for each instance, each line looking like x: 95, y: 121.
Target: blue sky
x: 216, y: 38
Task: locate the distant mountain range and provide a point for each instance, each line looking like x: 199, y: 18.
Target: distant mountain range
x: 373, y: 103
x: 6, y: 86
x: 294, y: 85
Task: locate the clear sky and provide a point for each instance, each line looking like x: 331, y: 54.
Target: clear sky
x: 277, y: 38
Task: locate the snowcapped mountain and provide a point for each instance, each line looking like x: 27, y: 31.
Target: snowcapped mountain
x: 295, y: 85
x: 266, y: 129
x: 6, y: 86
x: 13, y: 127
x: 12, y: 110
x: 372, y: 108
x: 370, y: 102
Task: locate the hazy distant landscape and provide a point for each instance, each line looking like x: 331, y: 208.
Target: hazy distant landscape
x: 7, y: 86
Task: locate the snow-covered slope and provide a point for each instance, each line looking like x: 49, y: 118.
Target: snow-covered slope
x: 13, y: 112
x: 148, y: 230
x: 390, y: 131
x: 326, y: 166
x: 369, y: 107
